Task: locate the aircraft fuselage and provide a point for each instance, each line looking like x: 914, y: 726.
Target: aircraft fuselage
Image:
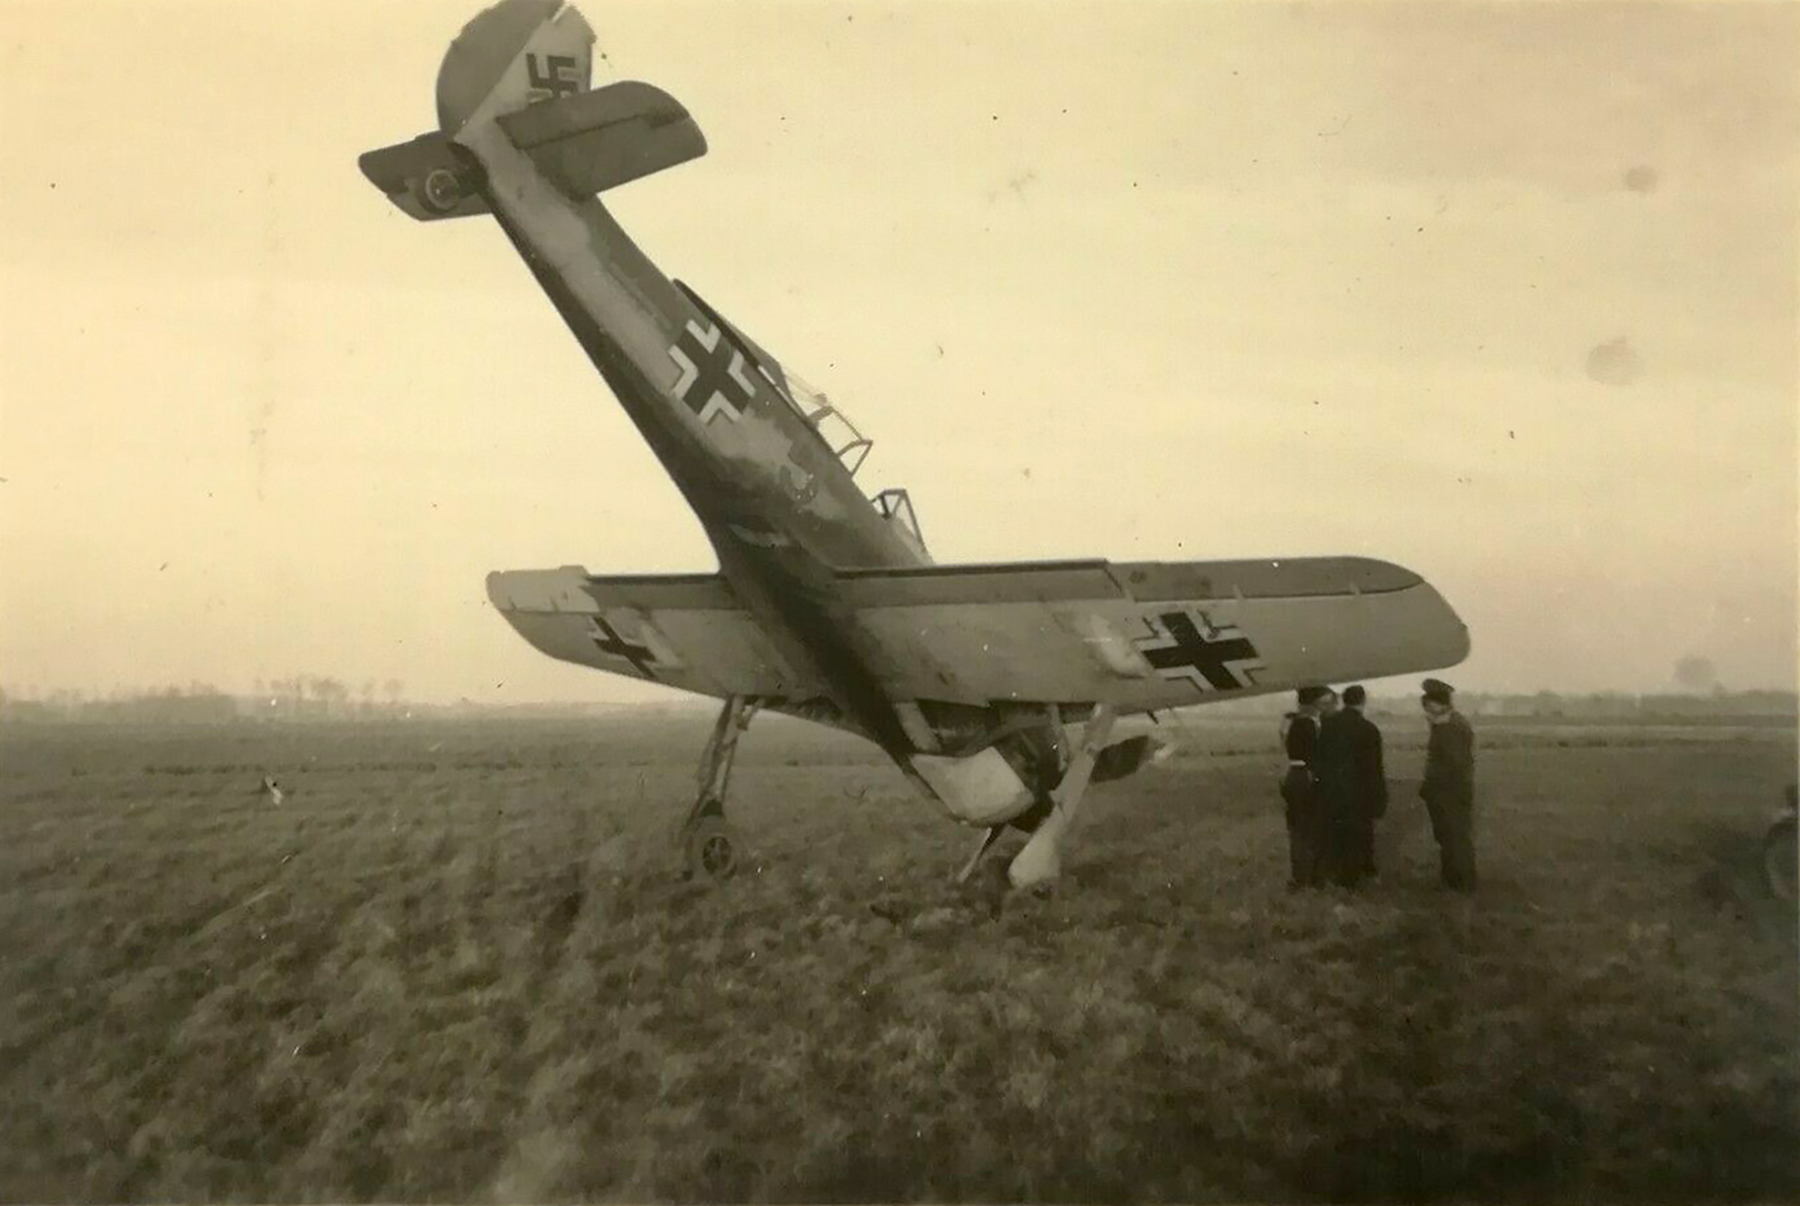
x: 780, y: 507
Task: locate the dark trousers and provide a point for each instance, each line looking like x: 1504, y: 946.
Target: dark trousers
x: 1309, y: 829
x: 1453, y: 825
x: 1353, y: 846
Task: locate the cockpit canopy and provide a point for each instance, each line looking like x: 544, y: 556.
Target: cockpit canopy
x: 897, y: 509
x: 831, y: 425
x: 821, y: 414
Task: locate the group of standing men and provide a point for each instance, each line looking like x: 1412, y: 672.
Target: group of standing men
x: 1336, y: 789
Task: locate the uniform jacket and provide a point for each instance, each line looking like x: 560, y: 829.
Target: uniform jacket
x: 1450, y: 760
x: 1301, y: 739
x: 1299, y: 785
x: 1367, y: 776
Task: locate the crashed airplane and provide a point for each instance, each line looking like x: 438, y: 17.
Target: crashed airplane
x: 1000, y: 691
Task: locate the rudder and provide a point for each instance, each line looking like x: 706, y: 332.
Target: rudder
x: 510, y: 56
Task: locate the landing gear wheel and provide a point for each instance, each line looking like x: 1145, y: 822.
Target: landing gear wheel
x: 1779, y: 859
x: 441, y: 191
x: 709, y: 847
x: 713, y: 849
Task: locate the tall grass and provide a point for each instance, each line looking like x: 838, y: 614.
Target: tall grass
x: 455, y: 964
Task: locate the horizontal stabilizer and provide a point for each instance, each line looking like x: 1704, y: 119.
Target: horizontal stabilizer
x: 426, y: 178
x: 582, y: 144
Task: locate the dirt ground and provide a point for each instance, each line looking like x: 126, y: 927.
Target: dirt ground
x: 455, y: 964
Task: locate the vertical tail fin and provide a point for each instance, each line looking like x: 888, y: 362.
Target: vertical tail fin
x: 517, y: 53
x: 522, y: 70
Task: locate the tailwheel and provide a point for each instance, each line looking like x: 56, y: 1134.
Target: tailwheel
x: 714, y: 850
x: 441, y: 191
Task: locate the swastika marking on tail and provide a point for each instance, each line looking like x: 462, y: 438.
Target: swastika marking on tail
x: 545, y: 74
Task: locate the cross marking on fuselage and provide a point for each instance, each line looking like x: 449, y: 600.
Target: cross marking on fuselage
x: 607, y: 640
x: 1195, y: 651
x: 712, y: 381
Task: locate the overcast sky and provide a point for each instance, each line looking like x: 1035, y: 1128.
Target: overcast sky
x: 1504, y: 293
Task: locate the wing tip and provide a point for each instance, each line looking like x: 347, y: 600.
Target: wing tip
x: 496, y: 590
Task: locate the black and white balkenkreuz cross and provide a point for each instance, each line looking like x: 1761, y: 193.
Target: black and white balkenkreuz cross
x: 1188, y: 645
x: 607, y: 640
x: 714, y: 378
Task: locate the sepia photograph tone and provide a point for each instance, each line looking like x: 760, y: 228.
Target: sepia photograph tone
x: 899, y: 601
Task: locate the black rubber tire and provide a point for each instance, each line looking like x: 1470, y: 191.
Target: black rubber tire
x: 440, y: 191
x: 714, y: 850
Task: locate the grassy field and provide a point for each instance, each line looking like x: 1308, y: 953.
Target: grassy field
x: 456, y: 965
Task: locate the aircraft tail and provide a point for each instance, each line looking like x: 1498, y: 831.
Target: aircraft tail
x: 515, y: 54
x: 527, y: 66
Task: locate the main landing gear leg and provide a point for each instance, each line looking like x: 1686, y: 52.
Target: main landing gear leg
x: 987, y: 842
x: 709, y: 846
x: 1041, y: 859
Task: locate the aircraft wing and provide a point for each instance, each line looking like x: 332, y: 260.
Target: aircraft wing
x: 682, y: 630
x: 1141, y: 636
x: 1149, y: 635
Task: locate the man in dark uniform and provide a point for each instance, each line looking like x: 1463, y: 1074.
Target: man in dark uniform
x: 1449, y: 786
x: 1358, y: 787
x: 1307, y: 820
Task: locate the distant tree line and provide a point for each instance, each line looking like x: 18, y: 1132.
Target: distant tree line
x: 308, y: 698
x: 1622, y: 705
x: 302, y: 697
x: 1595, y: 705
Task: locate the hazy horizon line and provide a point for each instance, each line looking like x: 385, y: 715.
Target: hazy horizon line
x: 12, y: 693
